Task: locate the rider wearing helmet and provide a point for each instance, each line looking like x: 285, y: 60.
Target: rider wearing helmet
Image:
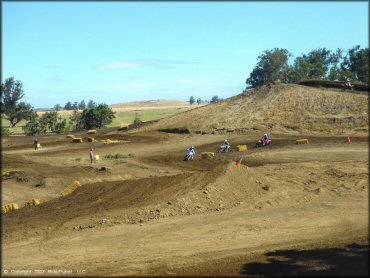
x: 265, y: 136
x: 226, y: 143
x: 191, y: 151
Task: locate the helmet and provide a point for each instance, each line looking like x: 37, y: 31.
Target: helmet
x: 192, y: 147
x: 225, y: 140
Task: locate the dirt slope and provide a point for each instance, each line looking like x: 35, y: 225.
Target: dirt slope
x: 280, y: 108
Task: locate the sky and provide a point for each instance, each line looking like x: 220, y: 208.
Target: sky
x: 115, y: 52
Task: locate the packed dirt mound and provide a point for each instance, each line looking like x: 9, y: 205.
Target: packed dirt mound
x: 286, y: 108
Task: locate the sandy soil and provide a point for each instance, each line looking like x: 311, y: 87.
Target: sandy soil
x: 286, y: 109
x: 288, y: 210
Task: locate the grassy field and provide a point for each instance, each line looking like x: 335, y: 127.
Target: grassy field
x: 121, y: 119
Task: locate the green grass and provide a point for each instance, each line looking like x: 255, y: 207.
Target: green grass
x: 126, y: 118
x: 17, y: 129
x: 119, y: 156
x: 121, y: 119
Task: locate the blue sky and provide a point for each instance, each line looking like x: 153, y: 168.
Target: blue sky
x: 114, y: 52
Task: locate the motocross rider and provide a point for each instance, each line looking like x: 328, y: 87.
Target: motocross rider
x: 265, y: 137
x: 191, y: 152
x: 226, y: 144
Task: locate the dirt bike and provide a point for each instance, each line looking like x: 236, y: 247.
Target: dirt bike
x: 263, y: 143
x: 224, y: 149
x: 347, y: 87
x: 188, y: 156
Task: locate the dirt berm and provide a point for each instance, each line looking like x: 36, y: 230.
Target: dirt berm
x: 284, y: 108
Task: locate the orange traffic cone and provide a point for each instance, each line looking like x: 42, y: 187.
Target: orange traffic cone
x: 349, y: 139
x: 238, y: 162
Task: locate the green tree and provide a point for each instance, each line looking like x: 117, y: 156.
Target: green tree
x: 105, y: 115
x: 60, y: 125
x: 335, y: 71
x: 5, y: 131
x: 91, y: 104
x: 191, y: 100
x: 68, y: 106
x: 75, y: 106
x: 57, y: 107
x: 34, y: 126
x: 313, y: 65
x: 137, y: 121
x: 272, y: 65
x: 214, y: 99
x: 75, y: 120
x: 82, y: 105
x: 49, y: 120
x: 199, y: 101
x: 97, y: 117
x: 357, y: 63
x: 10, y: 105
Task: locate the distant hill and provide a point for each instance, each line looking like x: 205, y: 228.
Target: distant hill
x: 152, y: 104
x: 284, y: 108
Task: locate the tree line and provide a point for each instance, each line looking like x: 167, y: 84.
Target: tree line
x: 76, y: 105
x: 214, y: 98
x: 15, y: 110
x: 321, y: 64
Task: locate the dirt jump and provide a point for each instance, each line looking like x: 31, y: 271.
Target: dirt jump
x: 287, y: 209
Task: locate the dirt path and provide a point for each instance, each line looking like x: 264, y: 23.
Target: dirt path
x: 157, y: 215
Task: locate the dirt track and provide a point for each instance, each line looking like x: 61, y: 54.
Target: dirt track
x: 155, y: 214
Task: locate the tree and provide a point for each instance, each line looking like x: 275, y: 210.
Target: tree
x: 75, y: 120
x: 105, y: 115
x: 199, y: 101
x: 313, y: 65
x: 272, y: 65
x: 191, y: 100
x: 335, y: 72
x: 91, y: 104
x: 10, y: 105
x: 53, y: 122
x: 33, y: 126
x: 48, y: 121
x: 68, y: 106
x: 57, y: 107
x: 82, y: 105
x: 137, y: 121
x: 75, y: 106
x: 5, y: 131
x: 60, y: 125
x: 357, y: 62
x: 214, y: 99
x: 90, y: 118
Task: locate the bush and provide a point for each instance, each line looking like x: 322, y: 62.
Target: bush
x: 137, y: 120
